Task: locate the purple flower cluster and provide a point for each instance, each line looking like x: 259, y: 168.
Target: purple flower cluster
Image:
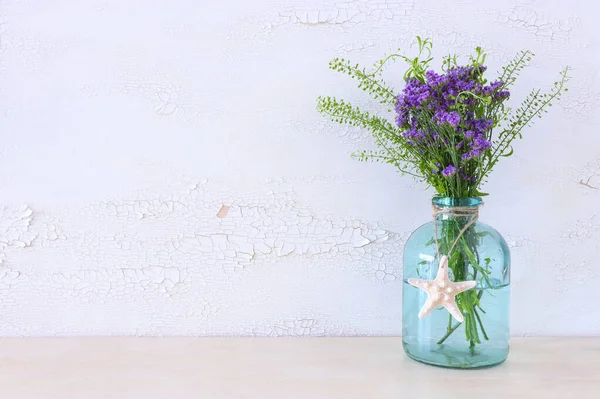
x: 441, y: 117
x: 443, y: 112
x: 449, y: 170
x: 478, y: 145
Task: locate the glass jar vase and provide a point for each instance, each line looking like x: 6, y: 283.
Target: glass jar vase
x: 456, y: 291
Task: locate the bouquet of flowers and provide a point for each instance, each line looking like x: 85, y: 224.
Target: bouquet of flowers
x: 449, y: 131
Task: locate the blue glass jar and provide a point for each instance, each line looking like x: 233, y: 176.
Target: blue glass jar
x: 476, y: 252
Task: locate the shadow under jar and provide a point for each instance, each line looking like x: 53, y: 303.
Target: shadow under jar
x: 476, y: 252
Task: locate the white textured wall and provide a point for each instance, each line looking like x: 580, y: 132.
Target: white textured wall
x: 163, y: 169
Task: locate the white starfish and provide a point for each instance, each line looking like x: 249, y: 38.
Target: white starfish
x: 441, y: 291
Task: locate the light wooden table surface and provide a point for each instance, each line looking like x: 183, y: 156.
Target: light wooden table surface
x: 365, y: 368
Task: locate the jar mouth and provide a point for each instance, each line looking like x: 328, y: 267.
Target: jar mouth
x: 467, y: 202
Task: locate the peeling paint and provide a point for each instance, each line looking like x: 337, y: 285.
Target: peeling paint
x: 583, y: 98
x: 223, y: 211
x: 168, y: 95
x: 196, y: 191
x: 15, y: 232
x: 345, y: 12
x: 543, y: 27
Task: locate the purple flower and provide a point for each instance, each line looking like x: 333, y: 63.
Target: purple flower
x: 402, y: 117
x: 472, y: 179
x: 502, y: 95
x: 413, y: 133
x: 465, y: 86
x: 452, y: 117
x: 474, y: 153
x: 480, y: 125
x: 449, y: 170
x: 433, y: 118
x: 459, y: 73
x: 433, y: 79
x: 493, y: 87
x: 415, y: 93
x: 481, y: 142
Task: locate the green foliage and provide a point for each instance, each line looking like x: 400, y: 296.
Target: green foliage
x: 432, y: 134
x: 387, y: 137
x: 425, y: 163
x: 536, y: 104
x: 369, y: 82
x: 512, y: 70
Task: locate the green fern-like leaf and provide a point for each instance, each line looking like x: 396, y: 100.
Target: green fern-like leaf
x: 369, y: 82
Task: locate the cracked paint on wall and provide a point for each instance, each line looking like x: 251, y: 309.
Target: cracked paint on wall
x: 177, y: 247
x: 344, y: 12
x: 171, y: 176
x: 539, y: 23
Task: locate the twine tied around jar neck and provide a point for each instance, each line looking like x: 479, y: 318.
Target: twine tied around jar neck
x: 455, y: 211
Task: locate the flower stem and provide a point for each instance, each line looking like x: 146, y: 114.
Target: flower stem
x: 481, y: 324
x: 450, y: 331
x: 465, y: 265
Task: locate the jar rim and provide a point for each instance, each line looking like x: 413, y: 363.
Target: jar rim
x: 445, y: 202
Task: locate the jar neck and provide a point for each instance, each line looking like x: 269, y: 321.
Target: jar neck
x: 461, y: 209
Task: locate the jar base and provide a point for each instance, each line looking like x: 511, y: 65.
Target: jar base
x: 448, y: 357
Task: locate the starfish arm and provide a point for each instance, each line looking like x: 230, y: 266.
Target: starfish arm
x: 427, y: 308
x: 451, y: 307
x: 419, y: 283
x: 442, y: 272
x: 462, y: 286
